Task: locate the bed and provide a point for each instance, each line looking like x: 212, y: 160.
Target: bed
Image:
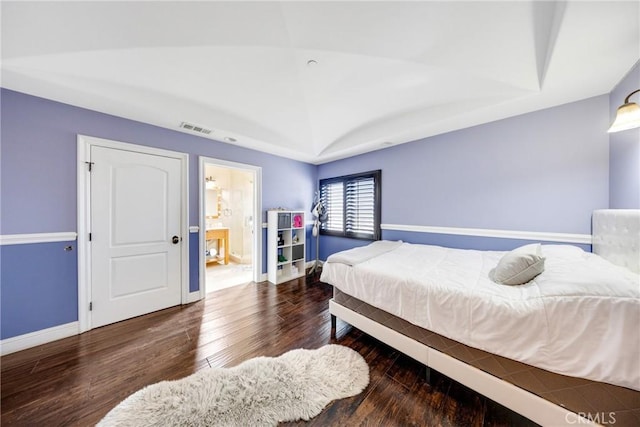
x: 562, y: 348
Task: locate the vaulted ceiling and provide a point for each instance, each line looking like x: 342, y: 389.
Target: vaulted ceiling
x: 318, y: 81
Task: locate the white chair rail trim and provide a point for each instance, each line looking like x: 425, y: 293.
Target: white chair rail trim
x: 21, y: 239
x: 501, y: 234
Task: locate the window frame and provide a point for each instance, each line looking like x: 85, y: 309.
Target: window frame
x: 377, y: 203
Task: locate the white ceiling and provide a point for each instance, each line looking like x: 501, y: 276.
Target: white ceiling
x: 385, y: 72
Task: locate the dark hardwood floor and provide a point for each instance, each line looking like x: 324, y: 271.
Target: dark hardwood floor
x: 77, y: 380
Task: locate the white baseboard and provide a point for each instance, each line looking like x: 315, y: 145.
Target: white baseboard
x: 32, y: 339
x: 246, y: 260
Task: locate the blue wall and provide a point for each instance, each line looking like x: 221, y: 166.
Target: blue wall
x: 38, y: 186
x: 545, y: 171
x: 624, y: 149
x: 39, y: 286
x: 39, y: 162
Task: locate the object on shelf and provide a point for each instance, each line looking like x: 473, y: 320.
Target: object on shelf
x: 284, y: 220
x: 297, y: 221
x: 281, y: 258
x: 297, y: 252
x: 211, y: 252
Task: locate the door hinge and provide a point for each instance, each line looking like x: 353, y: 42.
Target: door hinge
x: 89, y: 236
x: 90, y: 164
x: 91, y: 306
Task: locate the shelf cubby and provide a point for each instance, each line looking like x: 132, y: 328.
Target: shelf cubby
x: 285, y: 238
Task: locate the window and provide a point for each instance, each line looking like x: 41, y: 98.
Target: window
x: 352, y: 203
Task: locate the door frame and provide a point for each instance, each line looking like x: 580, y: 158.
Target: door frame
x: 84, y: 144
x: 257, y: 216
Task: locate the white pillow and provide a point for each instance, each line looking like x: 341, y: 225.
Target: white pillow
x: 519, y: 266
x: 565, y: 251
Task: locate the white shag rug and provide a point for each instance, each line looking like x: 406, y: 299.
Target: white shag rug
x: 259, y: 392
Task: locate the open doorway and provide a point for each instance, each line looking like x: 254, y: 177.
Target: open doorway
x: 230, y: 224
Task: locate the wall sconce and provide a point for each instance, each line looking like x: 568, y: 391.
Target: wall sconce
x: 628, y: 115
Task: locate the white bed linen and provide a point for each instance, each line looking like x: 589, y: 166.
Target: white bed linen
x: 580, y: 317
x: 357, y: 255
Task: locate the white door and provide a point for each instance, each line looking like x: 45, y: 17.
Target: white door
x: 135, y: 234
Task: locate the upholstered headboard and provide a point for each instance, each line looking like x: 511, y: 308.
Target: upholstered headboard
x: 616, y: 236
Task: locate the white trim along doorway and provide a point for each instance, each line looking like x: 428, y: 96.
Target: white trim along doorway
x: 84, y: 203
x: 256, y: 220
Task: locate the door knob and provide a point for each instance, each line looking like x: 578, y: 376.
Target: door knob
x: 175, y: 240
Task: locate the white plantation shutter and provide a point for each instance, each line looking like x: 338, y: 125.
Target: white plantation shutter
x: 332, y: 196
x: 353, y: 205
x: 360, y: 209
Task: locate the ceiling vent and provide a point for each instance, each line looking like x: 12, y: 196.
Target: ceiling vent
x: 195, y: 128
